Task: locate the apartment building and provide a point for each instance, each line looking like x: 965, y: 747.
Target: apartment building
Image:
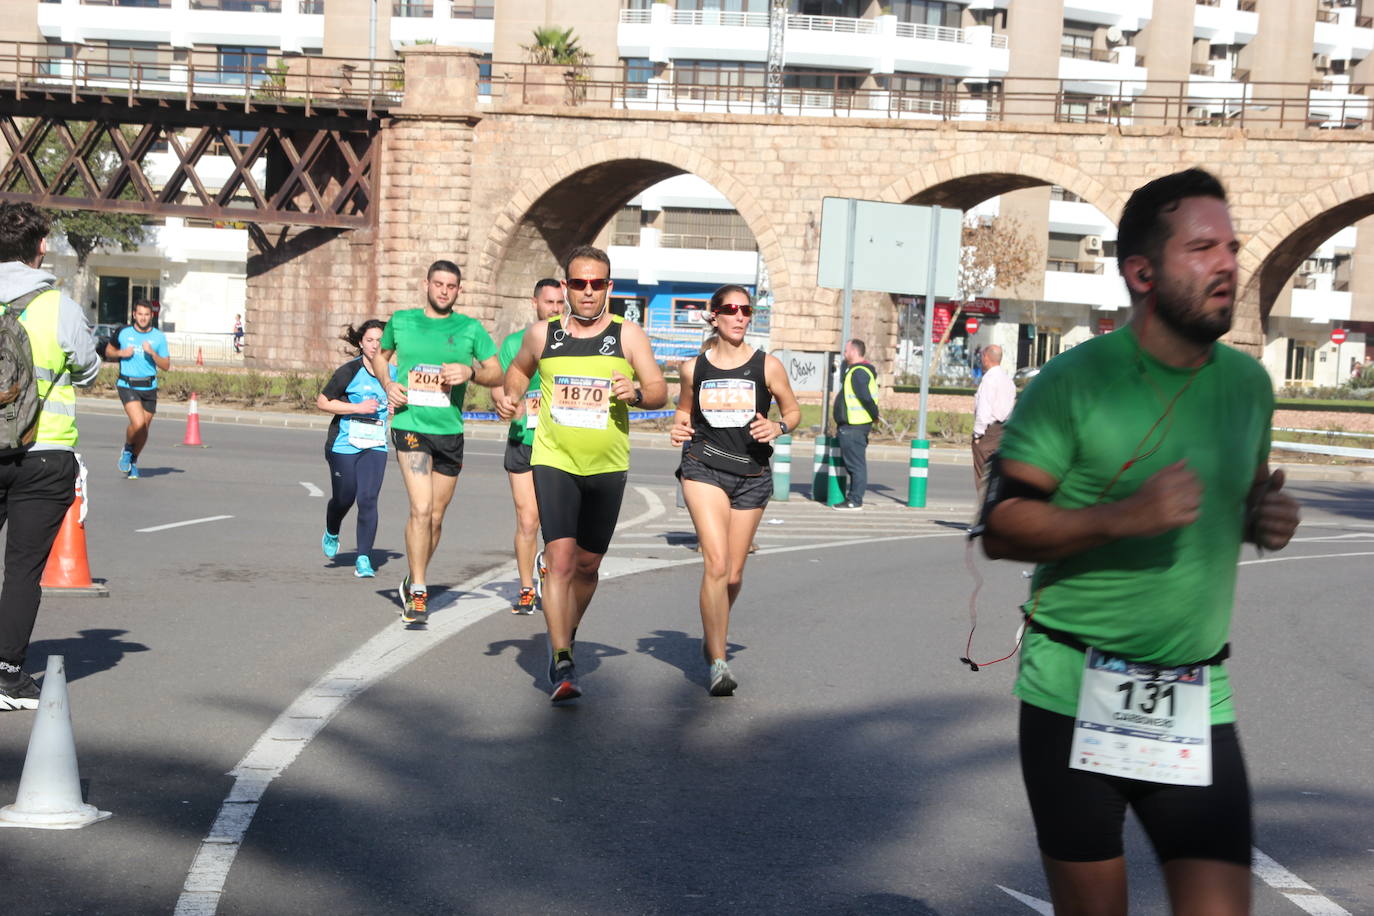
x: 845, y: 58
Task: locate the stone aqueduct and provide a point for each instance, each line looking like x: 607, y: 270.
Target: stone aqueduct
x: 508, y: 188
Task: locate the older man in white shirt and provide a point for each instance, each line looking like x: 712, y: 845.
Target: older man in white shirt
x: 992, y: 405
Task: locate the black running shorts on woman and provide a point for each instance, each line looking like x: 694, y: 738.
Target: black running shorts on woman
x: 445, y: 450
x: 1079, y: 815
x: 584, y: 507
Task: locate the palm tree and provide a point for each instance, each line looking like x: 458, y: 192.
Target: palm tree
x: 553, y: 45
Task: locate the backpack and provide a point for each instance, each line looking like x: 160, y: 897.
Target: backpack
x: 19, y: 401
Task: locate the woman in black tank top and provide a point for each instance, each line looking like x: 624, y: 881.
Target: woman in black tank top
x: 722, y: 419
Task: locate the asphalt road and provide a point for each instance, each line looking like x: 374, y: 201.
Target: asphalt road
x: 859, y: 769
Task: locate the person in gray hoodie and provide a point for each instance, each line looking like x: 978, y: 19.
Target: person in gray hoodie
x: 37, y: 482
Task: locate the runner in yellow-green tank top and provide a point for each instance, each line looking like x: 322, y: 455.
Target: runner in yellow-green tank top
x: 592, y: 367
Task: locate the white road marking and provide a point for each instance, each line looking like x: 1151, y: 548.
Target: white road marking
x: 192, y: 521
x: 654, y: 510
x: 1044, y: 907
x: 1318, y: 556
x: 1298, y: 891
x: 311, y: 489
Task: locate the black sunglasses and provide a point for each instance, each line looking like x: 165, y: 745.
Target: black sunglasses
x: 730, y: 308
x: 580, y: 284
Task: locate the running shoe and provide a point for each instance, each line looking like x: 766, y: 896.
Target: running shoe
x: 18, y: 692
x: 723, y: 683
x: 540, y: 571
x: 848, y: 506
x: 133, y: 472
x: 419, y: 608
x: 525, y: 603
x: 329, y: 544
x: 563, y: 676
x: 363, y: 568
x: 405, y: 599
x: 126, y: 460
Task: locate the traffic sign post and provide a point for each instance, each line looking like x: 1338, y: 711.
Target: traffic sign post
x: 1338, y: 336
x: 971, y: 324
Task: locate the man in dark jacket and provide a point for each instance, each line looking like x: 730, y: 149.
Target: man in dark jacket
x: 855, y: 413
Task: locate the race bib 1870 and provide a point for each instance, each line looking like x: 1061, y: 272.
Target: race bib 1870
x: 423, y: 388
x: 727, y: 402
x: 1142, y: 721
x: 581, y: 401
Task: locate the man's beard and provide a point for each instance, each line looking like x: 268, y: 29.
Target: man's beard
x: 441, y: 309
x: 1184, y: 312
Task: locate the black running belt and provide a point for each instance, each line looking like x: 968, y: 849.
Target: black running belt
x: 1073, y: 642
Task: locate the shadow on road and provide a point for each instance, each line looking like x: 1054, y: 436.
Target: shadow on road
x: 1349, y: 500
x: 683, y: 652
x: 90, y: 653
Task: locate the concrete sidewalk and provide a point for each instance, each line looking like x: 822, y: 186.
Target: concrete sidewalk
x: 488, y: 431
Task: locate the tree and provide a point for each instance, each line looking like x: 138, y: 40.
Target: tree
x: 89, y: 230
x: 993, y: 252
x: 553, y: 45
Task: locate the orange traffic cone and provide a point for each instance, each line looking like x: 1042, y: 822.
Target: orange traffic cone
x: 193, y: 424
x: 200, y: 357
x: 67, y: 572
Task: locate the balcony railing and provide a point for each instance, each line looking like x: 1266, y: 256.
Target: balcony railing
x: 840, y: 25
x: 154, y: 4
x: 711, y: 17
x: 412, y: 9
x: 1203, y: 69
x: 1330, y: 16
x: 942, y: 33
x: 837, y: 25
x: 1073, y: 266
x: 705, y: 242
x: 1077, y: 52
x: 238, y: 6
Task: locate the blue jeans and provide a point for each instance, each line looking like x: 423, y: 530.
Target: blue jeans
x: 853, y: 451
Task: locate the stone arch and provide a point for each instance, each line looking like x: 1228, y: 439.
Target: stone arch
x: 570, y: 200
x: 971, y: 178
x: 1273, y: 253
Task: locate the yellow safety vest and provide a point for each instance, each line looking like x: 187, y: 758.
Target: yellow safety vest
x: 57, y: 416
x: 855, y: 412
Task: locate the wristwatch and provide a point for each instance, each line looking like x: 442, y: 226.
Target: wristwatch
x: 639, y: 398
x: 783, y: 427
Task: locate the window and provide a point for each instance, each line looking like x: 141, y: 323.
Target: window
x: 1047, y: 343
x: 484, y: 75
x: 928, y: 12
x: 1064, y: 194
x: 689, y: 313
x: 718, y: 80
x: 1300, y: 359
x: 638, y: 72
x: 1064, y: 246
x: 844, y: 9
x: 473, y: 9
x: 1076, y: 40
x: 625, y: 229
x: 239, y: 65
x: 699, y: 227
x: 124, y: 60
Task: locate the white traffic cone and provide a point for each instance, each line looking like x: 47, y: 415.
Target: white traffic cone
x: 50, y: 787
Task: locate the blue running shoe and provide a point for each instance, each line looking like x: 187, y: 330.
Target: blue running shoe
x: 363, y: 568
x: 329, y: 544
x: 133, y: 472
x: 126, y: 460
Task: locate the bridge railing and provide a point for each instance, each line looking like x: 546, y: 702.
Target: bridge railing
x: 254, y: 79
x: 1210, y: 102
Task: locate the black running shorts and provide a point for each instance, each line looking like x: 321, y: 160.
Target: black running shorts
x: 1079, y: 815
x: 586, y: 508
x: 145, y: 396
x: 446, y: 451
x: 517, y: 459
x: 744, y: 492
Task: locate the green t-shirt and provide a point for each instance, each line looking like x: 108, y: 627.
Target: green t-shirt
x: 422, y: 341
x: 519, y: 432
x: 1164, y: 599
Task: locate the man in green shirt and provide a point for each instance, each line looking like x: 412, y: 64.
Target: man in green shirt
x: 1131, y: 471
x: 548, y: 301
x: 437, y: 352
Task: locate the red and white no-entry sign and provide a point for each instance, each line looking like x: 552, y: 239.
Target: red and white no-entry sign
x: 971, y: 324
x: 1338, y: 335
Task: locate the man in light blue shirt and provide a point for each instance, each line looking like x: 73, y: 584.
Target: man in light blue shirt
x: 141, y: 350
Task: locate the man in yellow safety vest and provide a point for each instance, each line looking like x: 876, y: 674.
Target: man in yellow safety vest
x: 855, y: 413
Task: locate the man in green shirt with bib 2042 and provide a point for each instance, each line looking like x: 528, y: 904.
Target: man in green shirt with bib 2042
x: 1131, y: 471
x: 437, y: 352
x: 548, y: 301
x: 593, y: 366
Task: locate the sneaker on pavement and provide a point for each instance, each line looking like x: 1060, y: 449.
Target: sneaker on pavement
x: 723, y: 683
x: 126, y: 460
x: 848, y: 506
x: 405, y: 599
x: 540, y: 571
x: 133, y: 472
x: 362, y: 568
x: 329, y: 544
x: 563, y: 676
x: 18, y: 692
x: 525, y: 603
x: 419, y: 608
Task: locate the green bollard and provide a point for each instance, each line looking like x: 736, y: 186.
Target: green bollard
x: 838, y: 476
x: 782, y: 468
x: 920, y: 472
x: 819, y: 472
